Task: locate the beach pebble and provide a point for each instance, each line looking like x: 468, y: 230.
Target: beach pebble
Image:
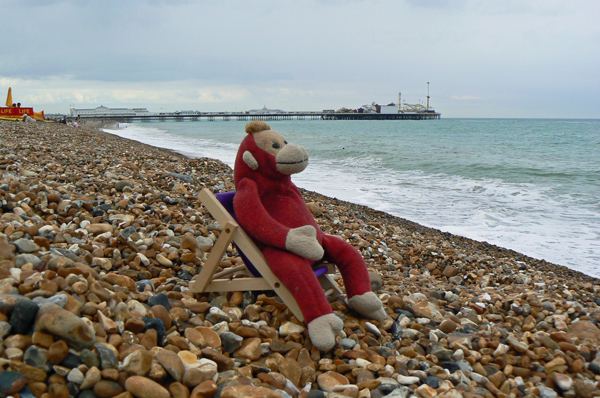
x: 250, y: 349
x: 142, y: 387
x: 57, y: 352
x: 288, y: 328
x: 92, y: 377
x: 206, y: 389
x: 231, y: 341
x: 407, y: 380
x: 11, y: 382
x: 107, y: 388
x: 75, y: 376
x: 25, y: 246
x: 172, y: 363
x: 107, y: 354
x: 328, y: 380
x: 26, y: 258
x: 62, y: 323
x: 373, y: 329
x: 138, y: 363
x: 99, y: 228
x: 23, y: 316
x: 347, y: 343
x: 160, y: 299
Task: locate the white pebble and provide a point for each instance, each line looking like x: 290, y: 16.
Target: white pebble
x: 75, y: 376
x: 407, y: 380
x: 501, y: 350
x: 372, y: 328
x: 362, y: 363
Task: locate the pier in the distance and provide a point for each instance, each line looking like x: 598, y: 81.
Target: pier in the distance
x: 221, y: 116
x: 374, y: 111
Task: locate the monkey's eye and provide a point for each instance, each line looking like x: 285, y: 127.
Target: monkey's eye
x: 276, y: 145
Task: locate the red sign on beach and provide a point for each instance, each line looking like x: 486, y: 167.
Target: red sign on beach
x: 15, y: 112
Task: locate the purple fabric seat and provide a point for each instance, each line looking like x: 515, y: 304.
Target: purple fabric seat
x: 226, y: 199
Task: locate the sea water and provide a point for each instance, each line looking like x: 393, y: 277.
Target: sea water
x: 530, y: 185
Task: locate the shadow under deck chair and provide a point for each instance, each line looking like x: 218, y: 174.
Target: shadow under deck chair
x: 255, y: 274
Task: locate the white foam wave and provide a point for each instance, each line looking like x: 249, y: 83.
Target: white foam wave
x: 190, y: 146
x: 521, y: 217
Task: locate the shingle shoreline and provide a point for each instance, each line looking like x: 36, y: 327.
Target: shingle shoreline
x: 105, y: 234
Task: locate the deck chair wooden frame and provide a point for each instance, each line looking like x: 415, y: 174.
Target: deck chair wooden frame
x: 229, y: 279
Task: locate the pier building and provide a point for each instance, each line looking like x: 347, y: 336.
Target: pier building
x: 103, y: 111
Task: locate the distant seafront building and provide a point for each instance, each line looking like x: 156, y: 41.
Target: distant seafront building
x: 103, y: 111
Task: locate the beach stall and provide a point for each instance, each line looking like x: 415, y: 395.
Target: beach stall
x: 13, y: 111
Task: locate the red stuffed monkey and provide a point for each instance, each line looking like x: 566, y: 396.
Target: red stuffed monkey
x: 272, y: 211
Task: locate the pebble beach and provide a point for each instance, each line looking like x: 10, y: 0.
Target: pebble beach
x: 101, y: 236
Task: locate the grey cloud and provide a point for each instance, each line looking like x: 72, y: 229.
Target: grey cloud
x: 344, y: 52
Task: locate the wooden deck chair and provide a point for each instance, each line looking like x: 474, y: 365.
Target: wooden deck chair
x: 255, y: 274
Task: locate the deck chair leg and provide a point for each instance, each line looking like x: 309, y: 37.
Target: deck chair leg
x: 329, y: 285
x: 216, y: 255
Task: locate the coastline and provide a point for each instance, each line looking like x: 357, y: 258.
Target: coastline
x: 507, y: 204
x: 488, y: 308
x: 481, y: 245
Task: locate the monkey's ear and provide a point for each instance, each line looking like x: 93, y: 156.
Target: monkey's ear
x: 256, y: 126
x: 250, y: 160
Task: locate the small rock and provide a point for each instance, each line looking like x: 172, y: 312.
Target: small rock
x: 92, y: 376
x: 563, y: 381
x: 448, y: 326
x: 107, y: 355
x: 250, y: 349
x: 425, y: 391
x: 37, y: 357
x: 75, y: 376
x: 547, y: 392
x: 172, y: 363
x: 11, y: 382
x: 142, y: 387
x: 160, y: 299
x: 206, y: 389
x: 328, y: 380
x: 408, y: 380
x: 156, y: 324
x: 25, y: 246
x: 107, y: 388
x: 99, y: 228
x: 231, y: 341
x: 517, y: 345
x: 585, y: 331
x: 425, y: 309
x: 288, y: 328
x: 65, y: 324
x: 138, y: 363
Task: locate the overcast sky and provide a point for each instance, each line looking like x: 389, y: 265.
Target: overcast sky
x: 508, y: 58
